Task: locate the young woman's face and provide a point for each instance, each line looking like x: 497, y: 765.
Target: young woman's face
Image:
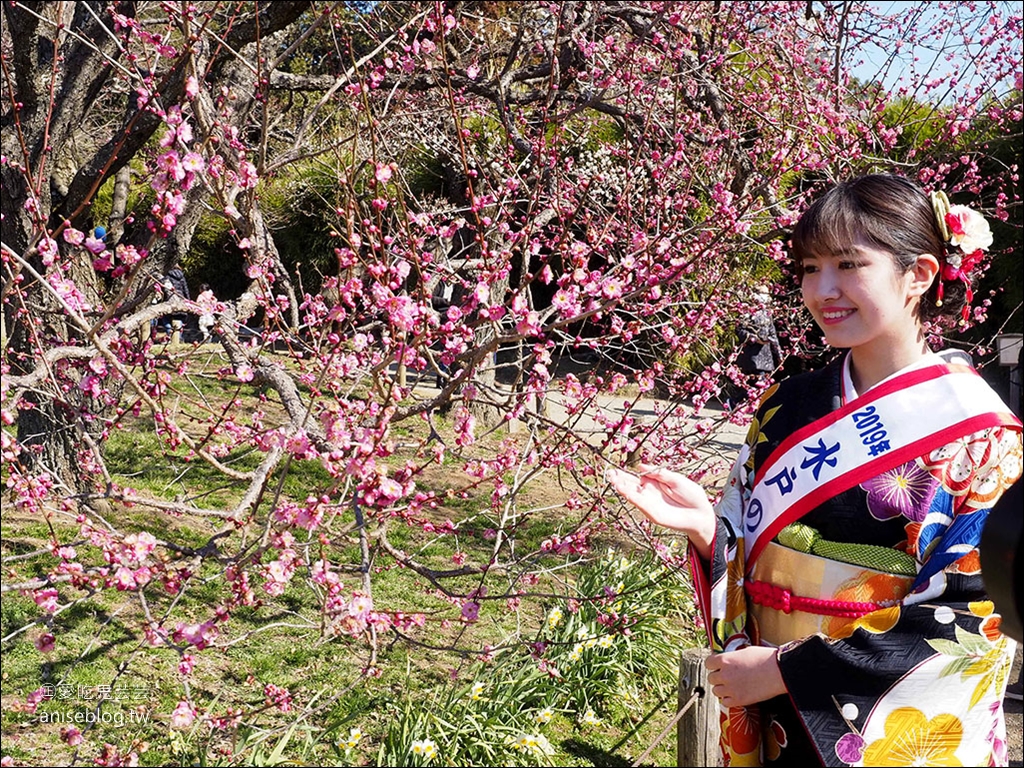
x: 858, y: 299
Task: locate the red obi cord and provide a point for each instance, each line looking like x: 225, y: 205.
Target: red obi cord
x: 781, y: 599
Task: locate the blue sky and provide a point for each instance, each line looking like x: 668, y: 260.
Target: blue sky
x: 921, y: 14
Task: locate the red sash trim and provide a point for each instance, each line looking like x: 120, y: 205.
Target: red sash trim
x: 702, y: 587
x: 908, y: 379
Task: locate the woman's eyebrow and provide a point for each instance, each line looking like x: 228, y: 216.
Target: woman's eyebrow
x: 842, y: 253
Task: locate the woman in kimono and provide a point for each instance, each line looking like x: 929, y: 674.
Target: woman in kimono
x: 839, y: 577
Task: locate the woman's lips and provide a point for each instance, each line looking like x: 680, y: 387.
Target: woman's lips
x: 835, y: 316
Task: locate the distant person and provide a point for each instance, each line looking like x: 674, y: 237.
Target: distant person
x: 174, y: 283
x: 759, y: 351
x: 206, y: 319
x: 839, y: 577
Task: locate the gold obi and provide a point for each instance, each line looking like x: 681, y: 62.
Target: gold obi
x: 793, y: 594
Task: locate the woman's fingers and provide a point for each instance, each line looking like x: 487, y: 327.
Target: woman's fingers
x: 623, y: 482
x: 673, y: 481
x: 659, y: 473
x: 745, y: 676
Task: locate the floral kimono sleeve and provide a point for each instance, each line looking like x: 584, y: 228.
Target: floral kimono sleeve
x: 920, y: 683
x: 719, y: 583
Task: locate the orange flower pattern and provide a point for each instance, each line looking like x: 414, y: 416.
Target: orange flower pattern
x: 912, y: 739
x: 742, y: 731
x: 985, y: 463
x: 877, y: 589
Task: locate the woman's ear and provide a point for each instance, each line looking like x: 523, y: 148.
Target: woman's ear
x: 923, y: 274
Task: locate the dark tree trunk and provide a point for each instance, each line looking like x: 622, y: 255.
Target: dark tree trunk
x: 46, y: 123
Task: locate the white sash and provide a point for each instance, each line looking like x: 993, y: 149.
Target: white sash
x: 896, y: 422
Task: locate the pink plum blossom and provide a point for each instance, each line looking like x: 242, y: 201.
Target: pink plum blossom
x: 73, y: 236
x: 94, y: 245
x: 46, y: 599
x: 470, y: 610
x: 47, y: 250
x: 183, y: 715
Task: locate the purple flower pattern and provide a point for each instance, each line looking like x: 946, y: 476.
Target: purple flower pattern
x: 850, y: 748
x: 906, y: 490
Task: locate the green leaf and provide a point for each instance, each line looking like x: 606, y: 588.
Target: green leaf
x: 956, y: 666
x: 975, y: 644
x: 947, y: 647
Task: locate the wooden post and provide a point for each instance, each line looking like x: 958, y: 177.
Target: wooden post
x: 697, y: 732
x: 640, y: 426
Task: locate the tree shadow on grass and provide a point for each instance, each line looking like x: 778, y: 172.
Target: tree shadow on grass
x: 594, y: 755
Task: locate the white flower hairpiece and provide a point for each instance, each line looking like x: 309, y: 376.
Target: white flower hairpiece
x: 961, y: 226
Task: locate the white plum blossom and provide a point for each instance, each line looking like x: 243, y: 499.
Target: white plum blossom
x: 968, y: 229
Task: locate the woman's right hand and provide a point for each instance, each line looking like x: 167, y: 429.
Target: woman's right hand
x: 669, y: 499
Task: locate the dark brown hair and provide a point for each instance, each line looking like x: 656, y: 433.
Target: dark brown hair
x: 889, y: 213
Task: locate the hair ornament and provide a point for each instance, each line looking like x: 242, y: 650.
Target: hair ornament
x: 968, y: 236
x: 940, y: 204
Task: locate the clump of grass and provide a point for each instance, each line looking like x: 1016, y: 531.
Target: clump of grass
x: 590, y: 668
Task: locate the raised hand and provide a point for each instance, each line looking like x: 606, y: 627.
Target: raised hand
x: 669, y: 499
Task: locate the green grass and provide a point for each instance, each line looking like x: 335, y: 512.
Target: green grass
x: 422, y: 684
x: 296, y: 659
